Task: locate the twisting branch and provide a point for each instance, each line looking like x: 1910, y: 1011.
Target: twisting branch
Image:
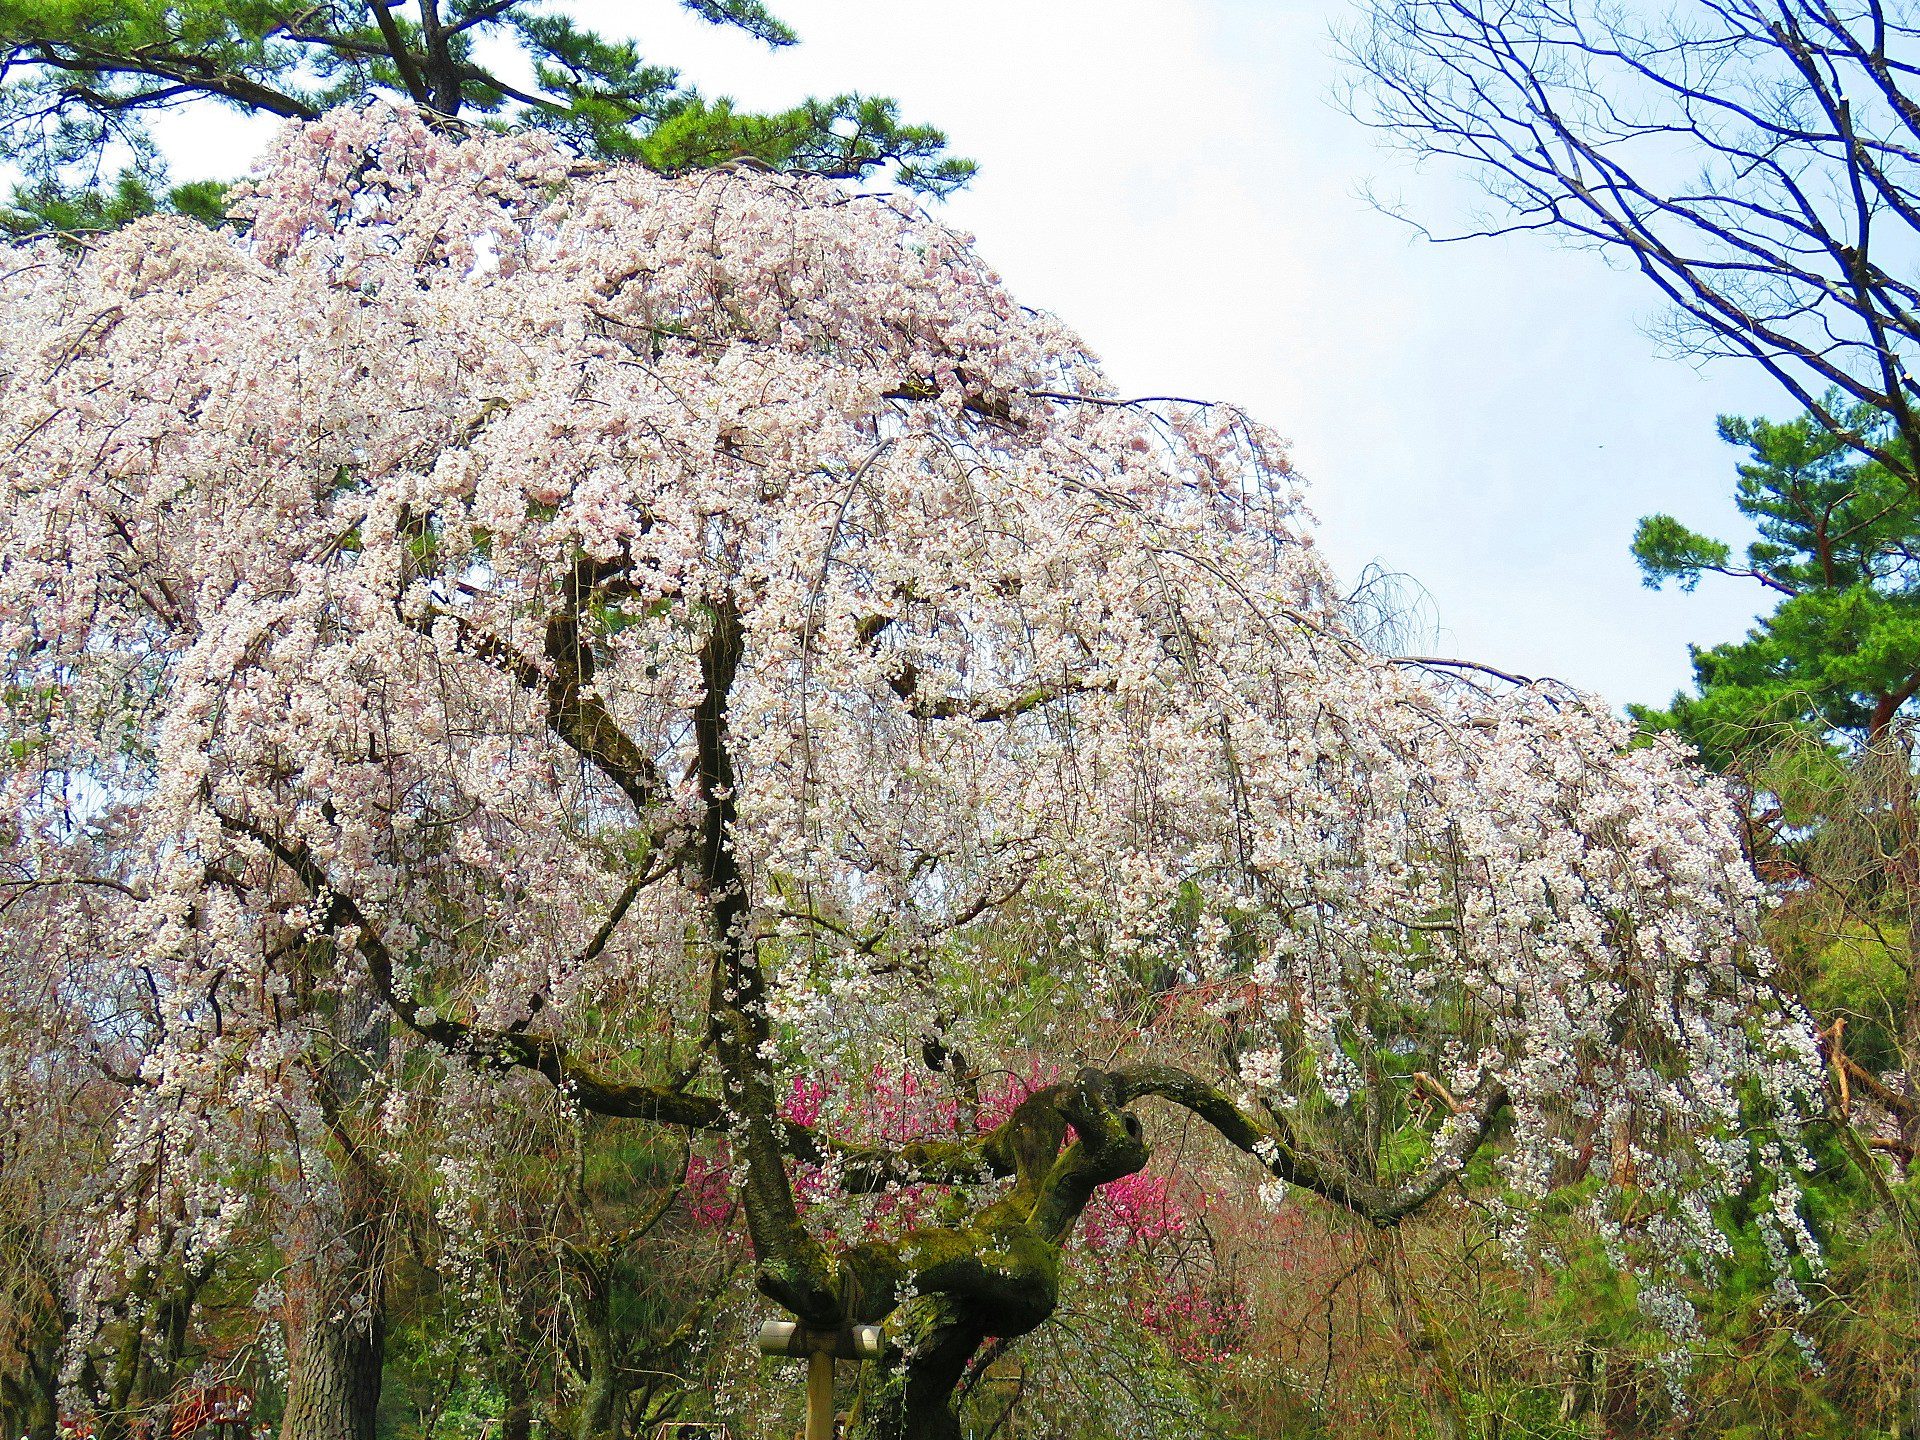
x: 1286, y: 1159
x: 501, y: 1048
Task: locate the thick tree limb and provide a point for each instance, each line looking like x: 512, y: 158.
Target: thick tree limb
x: 1287, y: 1160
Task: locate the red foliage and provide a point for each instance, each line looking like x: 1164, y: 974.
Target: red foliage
x: 1135, y: 1212
x: 1198, y: 1324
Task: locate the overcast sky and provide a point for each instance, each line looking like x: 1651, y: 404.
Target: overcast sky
x: 1171, y: 178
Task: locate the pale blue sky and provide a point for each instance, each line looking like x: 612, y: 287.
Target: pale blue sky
x: 1170, y: 178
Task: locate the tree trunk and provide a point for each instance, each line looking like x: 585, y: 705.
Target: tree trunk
x: 43, y: 1398
x: 30, y: 1404
x: 165, y: 1348
x: 516, y: 1420
x: 336, y: 1284
x: 336, y: 1330
x: 600, y: 1402
x: 335, y: 1307
x: 916, y: 1402
x: 115, y: 1398
x: 1001, y: 1274
x: 333, y: 1382
x: 1425, y: 1340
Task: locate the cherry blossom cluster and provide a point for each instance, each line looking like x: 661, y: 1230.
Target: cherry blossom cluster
x: 361, y: 570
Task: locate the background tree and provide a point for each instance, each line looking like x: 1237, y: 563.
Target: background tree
x: 1754, y: 160
x: 1813, y: 712
x: 80, y: 79
x: 1839, y: 546
x: 1814, y: 707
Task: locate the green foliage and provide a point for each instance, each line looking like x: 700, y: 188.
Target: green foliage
x: 1667, y: 550
x: 72, y: 210
x: 1861, y: 975
x: 842, y: 138
x: 79, y: 80
x: 1837, y: 542
x: 1812, y: 710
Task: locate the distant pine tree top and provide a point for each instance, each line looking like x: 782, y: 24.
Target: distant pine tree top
x: 1839, y: 547
x: 79, y: 80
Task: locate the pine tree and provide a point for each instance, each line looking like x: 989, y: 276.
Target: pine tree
x: 1839, y: 544
x: 81, y: 79
x: 1813, y: 712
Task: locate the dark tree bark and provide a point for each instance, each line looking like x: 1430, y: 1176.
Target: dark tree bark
x: 336, y: 1325
x: 43, y: 1396
x: 599, y: 1409
x: 516, y: 1420
x: 30, y: 1399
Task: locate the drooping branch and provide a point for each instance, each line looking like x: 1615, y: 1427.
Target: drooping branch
x: 865, y: 1169
x: 1282, y: 1154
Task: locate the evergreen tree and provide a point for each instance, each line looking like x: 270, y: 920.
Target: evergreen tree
x: 1813, y: 712
x: 80, y: 80
x: 1839, y: 544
